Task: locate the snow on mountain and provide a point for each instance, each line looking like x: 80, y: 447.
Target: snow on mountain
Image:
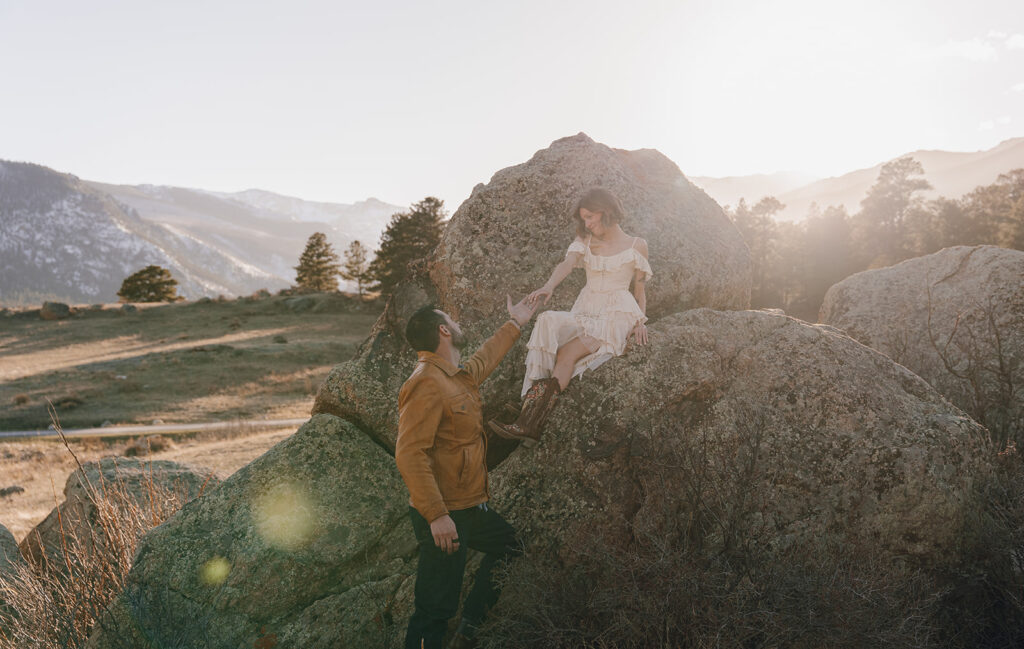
x: 60, y: 238
x: 265, y: 230
x: 363, y: 220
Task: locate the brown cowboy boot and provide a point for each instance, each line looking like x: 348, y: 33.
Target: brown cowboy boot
x: 537, y: 405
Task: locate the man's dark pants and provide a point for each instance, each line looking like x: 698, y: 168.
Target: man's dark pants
x: 439, y: 575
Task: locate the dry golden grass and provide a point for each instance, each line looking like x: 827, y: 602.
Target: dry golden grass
x: 43, y: 466
x: 56, y: 602
x: 185, y: 362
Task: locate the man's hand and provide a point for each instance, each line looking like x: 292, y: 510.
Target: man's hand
x: 445, y: 535
x: 522, y: 311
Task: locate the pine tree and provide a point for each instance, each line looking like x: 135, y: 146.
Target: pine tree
x: 151, y: 284
x: 880, y: 226
x: 409, y: 237
x: 356, y: 267
x: 758, y: 228
x: 318, y: 266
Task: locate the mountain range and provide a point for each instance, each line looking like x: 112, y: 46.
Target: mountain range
x: 952, y: 174
x: 74, y: 240
x: 65, y: 238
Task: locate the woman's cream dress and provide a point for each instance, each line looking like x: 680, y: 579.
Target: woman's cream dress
x: 602, y: 317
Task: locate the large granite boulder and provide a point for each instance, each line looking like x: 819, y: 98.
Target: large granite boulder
x: 956, y: 318
x: 508, y: 236
x: 745, y: 465
x: 120, y: 481
x: 760, y: 427
x: 510, y: 233
x: 833, y: 436
x: 10, y: 555
x: 55, y: 311
x: 307, y: 546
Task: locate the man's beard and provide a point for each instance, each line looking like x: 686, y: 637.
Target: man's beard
x: 459, y: 341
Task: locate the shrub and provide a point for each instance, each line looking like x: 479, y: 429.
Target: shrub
x: 68, y: 402
x: 983, y: 605
x: 147, y: 445
x: 58, y: 602
x: 151, y: 284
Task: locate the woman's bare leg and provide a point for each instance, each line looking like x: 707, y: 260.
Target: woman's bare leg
x: 568, y: 354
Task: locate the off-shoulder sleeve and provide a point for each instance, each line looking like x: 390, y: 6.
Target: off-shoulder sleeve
x: 576, y: 247
x: 643, y: 265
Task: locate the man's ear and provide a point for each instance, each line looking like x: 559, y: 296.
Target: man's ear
x: 444, y: 330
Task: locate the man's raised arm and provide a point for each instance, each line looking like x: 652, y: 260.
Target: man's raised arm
x: 482, y: 363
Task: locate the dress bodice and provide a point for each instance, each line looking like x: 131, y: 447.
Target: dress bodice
x: 609, y: 273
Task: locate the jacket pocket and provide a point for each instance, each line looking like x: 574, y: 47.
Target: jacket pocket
x: 465, y: 465
x: 465, y: 417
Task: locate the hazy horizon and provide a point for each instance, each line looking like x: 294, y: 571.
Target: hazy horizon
x: 334, y: 103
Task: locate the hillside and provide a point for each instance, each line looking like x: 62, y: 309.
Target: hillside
x: 266, y: 230
x: 729, y: 190
x: 61, y: 238
x: 951, y: 173
x: 71, y: 240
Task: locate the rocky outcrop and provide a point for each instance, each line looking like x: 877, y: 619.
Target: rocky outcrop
x: 55, y: 311
x: 508, y: 236
x: 822, y: 440
x: 304, y: 547
x: 743, y: 438
x: 10, y: 555
x: 833, y: 437
x: 955, y: 317
x: 119, y: 480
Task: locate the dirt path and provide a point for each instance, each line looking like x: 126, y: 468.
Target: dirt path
x: 42, y: 467
x: 200, y: 427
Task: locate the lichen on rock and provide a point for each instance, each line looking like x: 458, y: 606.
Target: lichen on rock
x: 955, y: 318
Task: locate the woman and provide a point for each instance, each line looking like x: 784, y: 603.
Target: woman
x: 564, y: 344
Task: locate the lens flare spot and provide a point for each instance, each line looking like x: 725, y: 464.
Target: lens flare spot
x: 284, y: 517
x: 215, y: 571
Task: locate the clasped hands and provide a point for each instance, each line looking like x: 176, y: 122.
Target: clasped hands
x: 521, y: 311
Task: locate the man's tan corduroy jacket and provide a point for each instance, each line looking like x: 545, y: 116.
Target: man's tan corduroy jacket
x: 441, y: 450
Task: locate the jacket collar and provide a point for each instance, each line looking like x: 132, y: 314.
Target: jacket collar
x: 443, y: 364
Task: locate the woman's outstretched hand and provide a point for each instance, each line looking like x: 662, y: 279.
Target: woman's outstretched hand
x: 534, y: 298
x: 639, y: 333
x: 521, y: 312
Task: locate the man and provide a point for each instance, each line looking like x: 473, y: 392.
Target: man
x: 441, y: 453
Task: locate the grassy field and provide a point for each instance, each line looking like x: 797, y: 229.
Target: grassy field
x: 185, y: 362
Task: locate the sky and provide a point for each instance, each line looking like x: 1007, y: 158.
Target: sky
x: 339, y: 101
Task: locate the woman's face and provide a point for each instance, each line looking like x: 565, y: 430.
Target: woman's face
x: 592, y: 221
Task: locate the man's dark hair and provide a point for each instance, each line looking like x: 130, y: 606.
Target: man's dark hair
x: 421, y: 332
